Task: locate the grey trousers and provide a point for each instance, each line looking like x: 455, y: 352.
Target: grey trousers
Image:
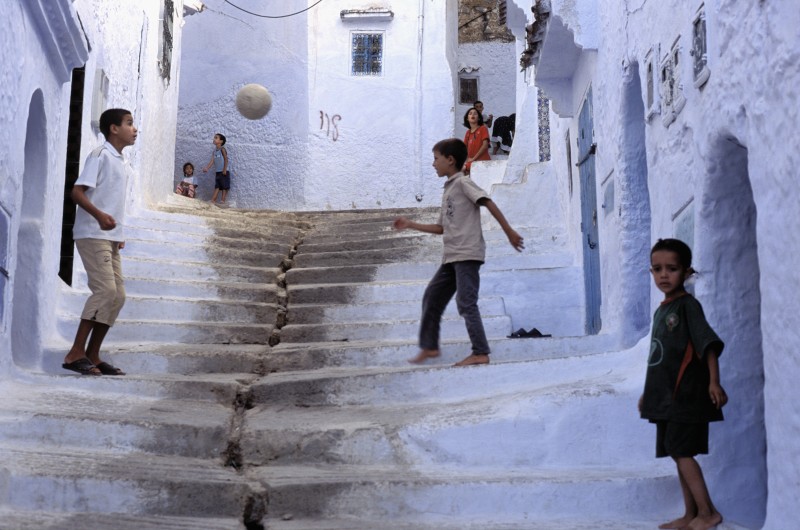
x: 461, y: 278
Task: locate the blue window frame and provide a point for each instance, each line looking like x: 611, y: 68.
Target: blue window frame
x: 367, y: 54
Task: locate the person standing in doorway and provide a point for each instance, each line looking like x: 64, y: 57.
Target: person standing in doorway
x: 99, y: 194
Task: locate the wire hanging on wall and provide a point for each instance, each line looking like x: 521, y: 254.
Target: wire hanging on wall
x: 272, y: 16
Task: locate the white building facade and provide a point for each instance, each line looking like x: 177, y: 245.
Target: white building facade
x: 671, y: 119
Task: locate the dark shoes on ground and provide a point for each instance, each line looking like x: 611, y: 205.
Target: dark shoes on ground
x: 532, y: 334
x: 84, y: 366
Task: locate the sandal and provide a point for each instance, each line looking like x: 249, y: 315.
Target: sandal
x: 83, y: 366
x: 109, y: 369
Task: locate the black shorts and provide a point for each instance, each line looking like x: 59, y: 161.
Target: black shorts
x: 677, y: 440
x: 223, y: 182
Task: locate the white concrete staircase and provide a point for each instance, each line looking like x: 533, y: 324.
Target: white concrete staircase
x: 268, y: 388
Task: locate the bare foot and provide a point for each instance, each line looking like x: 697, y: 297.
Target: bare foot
x: 705, y: 522
x: 683, y: 522
x: 424, y: 355
x: 473, y: 360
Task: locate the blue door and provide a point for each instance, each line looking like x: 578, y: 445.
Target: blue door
x: 591, y: 246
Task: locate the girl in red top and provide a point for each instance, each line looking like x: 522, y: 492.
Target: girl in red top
x: 477, y: 138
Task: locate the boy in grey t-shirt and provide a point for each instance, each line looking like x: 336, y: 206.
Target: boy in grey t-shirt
x: 99, y: 194
x: 464, y: 252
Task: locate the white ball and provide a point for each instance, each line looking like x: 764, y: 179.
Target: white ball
x: 253, y: 101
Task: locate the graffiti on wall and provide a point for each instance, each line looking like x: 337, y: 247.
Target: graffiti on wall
x: 329, y: 123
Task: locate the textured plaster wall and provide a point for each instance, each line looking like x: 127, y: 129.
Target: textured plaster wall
x: 723, y: 171
x: 496, y: 64
x: 124, y: 37
x: 379, y: 155
x: 26, y: 77
x: 32, y: 173
x: 223, y: 50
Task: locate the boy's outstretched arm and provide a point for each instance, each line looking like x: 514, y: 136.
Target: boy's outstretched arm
x: 514, y: 238
x: 402, y: 223
x: 715, y: 390
x: 211, y: 163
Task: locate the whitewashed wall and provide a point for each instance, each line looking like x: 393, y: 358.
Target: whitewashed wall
x: 723, y: 176
x: 223, y: 50
x: 379, y: 154
x: 332, y: 140
x: 34, y: 109
x: 496, y: 66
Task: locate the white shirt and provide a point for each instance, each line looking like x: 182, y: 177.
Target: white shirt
x: 105, y: 174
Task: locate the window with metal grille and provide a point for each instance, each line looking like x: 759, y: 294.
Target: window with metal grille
x: 699, y: 49
x: 367, y: 54
x: 468, y: 92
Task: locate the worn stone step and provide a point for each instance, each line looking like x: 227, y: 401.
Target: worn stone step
x: 363, y: 257
x: 213, y: 254
x: 428, y: 434
x: 198, y: 271
x: 172, y: 358
x: 412, y: 494
x: 288, y: 357
x: 114, y: 422
x: 441, y: 384
x: 185, y: 310
x: 40, y: 520
x: 243, y: 291
x: 396, y: 329
x: 177, y: 331
x: 452, y: 522
x: 369, y: 241
x: 222, y: 388
x: 242, y: 240
x: 73, y: 479
x: 379, y: 311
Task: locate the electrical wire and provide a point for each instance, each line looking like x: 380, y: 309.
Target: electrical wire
x: 272, y: 16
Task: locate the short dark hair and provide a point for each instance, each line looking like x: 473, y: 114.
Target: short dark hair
x: 111, y: 117
x: 678, y: 247
x: 452, y: 147
x: 477, y: 101
x: 480, y: 117
x: 187, y: 164
x: 221, y: 137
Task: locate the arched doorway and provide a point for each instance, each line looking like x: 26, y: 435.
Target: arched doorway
x: 27, y: 276
x: 728, y: 287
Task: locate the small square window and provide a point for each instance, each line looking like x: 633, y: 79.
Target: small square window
x: 468, y: 92
x: 367, y: 54
x: 652, y: 83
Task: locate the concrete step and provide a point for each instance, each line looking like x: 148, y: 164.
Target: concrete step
x: 171, y: 358
x: 226, y: 290
x: 288, y: 357
x: 515, y: 425
x: 71, y: 479
x: 200, y: 271
x: 221, y: 388
x: 39, y: 520
x: 379, y: 311
x: 185, y: 310
x: 395, y: 329
x: 209, y: 254
x: 240, y: 240
x: 440, y: 384
x: 416, y: 495
x: 113, y: 422
x: 434, y: 522
x: 178, y: 331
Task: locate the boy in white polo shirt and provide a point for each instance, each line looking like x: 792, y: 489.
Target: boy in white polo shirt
x: 99, y: 194
x: 464, y: 252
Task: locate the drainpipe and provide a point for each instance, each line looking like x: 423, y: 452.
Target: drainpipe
x: 418, y: 93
